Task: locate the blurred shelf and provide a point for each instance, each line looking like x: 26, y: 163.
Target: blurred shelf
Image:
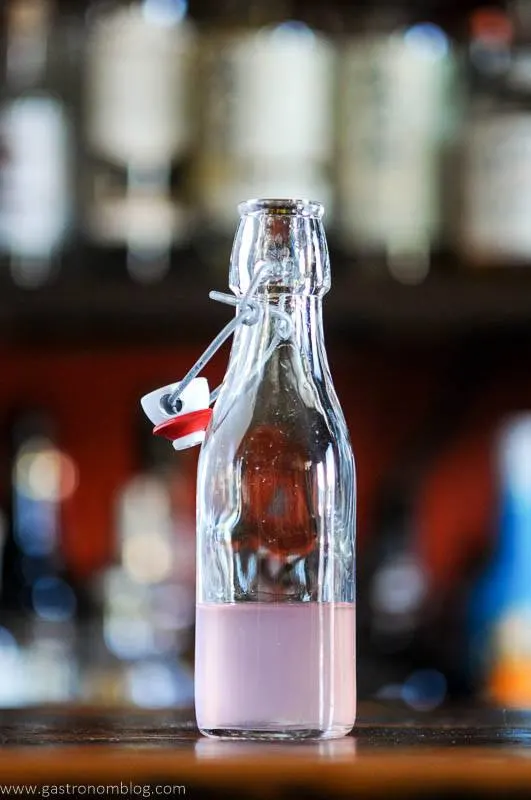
x: 443, y: 304
x: 99, y: 313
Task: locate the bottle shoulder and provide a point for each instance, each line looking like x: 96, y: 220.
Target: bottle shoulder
x: 309, y: 424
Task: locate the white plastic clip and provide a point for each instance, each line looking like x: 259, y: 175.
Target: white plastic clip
x: 187, y: 426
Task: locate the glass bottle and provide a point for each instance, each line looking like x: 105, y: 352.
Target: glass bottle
x: 138, y: 133
x: 275, y: 618
x: 394, y: 116
x: 266, y: 76
x: 42, y: 479
x: 494, y: 226
x: 36, y: 140
x: 499, y: 611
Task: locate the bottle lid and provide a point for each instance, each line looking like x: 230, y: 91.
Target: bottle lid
x: 186, y: 427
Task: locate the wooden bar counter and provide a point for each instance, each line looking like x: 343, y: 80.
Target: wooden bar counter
x: 393, y: 752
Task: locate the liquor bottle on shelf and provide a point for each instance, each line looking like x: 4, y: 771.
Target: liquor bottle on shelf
x: 146, y: 596
x: 411, y: 629
x: 42, y: 477
x: 266, y: 111
x: 39, y: 600
x: 394, y: 118
x: 36, y: 192
x: 496, y: 149
x: 138, y: 133
x: 499, y: 612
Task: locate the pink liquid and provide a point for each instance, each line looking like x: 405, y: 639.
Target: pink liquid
x: 276, y: 667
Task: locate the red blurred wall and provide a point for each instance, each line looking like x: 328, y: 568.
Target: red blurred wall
x: 94, y: 396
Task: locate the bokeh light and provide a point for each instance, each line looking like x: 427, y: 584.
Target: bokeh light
x: 45, y: 473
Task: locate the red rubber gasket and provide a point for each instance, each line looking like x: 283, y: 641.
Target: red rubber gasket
x: 177, y: 427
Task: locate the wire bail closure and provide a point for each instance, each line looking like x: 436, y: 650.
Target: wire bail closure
x: 181, y: 411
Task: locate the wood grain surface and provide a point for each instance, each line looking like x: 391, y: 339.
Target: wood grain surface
x: 392, y: 752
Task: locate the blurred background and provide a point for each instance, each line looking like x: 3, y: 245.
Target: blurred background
x: 129, y: 131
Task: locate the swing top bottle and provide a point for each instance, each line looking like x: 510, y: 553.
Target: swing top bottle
x: 275, y: 625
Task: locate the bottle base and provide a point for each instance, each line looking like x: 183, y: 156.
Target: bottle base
x: 277, y: 733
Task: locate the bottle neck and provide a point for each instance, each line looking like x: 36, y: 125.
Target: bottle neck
x: 262, y: 345
x: 281, y: 256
